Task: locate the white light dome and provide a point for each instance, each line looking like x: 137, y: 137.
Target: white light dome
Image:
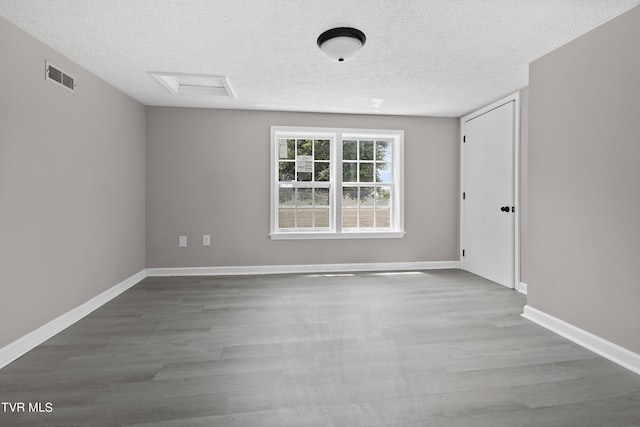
x: 341, y: 44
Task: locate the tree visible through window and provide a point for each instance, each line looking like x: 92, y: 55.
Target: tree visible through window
x: 304, y: 181
x: 366, y: 183
x: 336, y: 181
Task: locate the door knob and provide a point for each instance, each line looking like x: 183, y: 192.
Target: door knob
x: 505, y: 209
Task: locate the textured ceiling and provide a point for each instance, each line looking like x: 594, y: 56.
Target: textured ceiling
x: 422, y: 57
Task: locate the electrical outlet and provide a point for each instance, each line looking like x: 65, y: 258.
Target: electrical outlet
x: 182, y: 242
x: 206, y: 240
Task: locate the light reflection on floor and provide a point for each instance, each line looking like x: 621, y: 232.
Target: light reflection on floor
x: 385, y: 273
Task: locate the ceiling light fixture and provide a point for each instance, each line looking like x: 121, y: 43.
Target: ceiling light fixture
x: 342, y: 43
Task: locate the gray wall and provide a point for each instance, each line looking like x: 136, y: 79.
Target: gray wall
x: 72, y: 187
x: 208, y: 173
x: 584, y: 182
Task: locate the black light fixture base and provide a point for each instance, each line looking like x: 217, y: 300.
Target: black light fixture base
x: 342, y: 32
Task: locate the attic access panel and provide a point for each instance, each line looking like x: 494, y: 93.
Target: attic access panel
x: 194, y: 84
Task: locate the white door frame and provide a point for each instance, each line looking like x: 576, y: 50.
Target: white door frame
x: 516, y: 178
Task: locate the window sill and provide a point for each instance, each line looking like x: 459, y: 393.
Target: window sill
x: 315, y: 235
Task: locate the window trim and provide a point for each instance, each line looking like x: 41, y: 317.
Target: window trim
x: 336, y: 135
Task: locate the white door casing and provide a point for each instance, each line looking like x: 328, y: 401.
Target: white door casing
x: 489, y: 242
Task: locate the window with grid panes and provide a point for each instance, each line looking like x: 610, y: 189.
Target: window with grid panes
x: 336, y: 183
x: 367, y: 183
x: 304, y: 183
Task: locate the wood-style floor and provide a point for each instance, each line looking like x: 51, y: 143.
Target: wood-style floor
x: 431, y: 348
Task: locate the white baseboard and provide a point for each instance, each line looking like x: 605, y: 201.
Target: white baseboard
x: 522, y: 288
x: 308, y: 268
x: 604, y: 348
x: 22, y: 345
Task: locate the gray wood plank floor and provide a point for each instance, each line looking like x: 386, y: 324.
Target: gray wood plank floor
x: 434, y: 348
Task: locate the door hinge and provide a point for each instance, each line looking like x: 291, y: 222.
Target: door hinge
x: 464, y: 138
x: 463, y: 252
x: 464, y: 195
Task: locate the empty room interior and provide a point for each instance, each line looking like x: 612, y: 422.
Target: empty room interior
x: 329, y: 213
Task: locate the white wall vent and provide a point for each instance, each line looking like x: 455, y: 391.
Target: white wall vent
x: 199, y: 85
x: 59, y: 77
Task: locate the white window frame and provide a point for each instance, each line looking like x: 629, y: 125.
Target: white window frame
x: 336, y: 136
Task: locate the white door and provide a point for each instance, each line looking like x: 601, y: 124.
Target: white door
x: 489, y: 200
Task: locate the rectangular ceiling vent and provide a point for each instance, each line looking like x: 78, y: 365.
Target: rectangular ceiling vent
x: 199, y: 85
x: 59, y: 77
